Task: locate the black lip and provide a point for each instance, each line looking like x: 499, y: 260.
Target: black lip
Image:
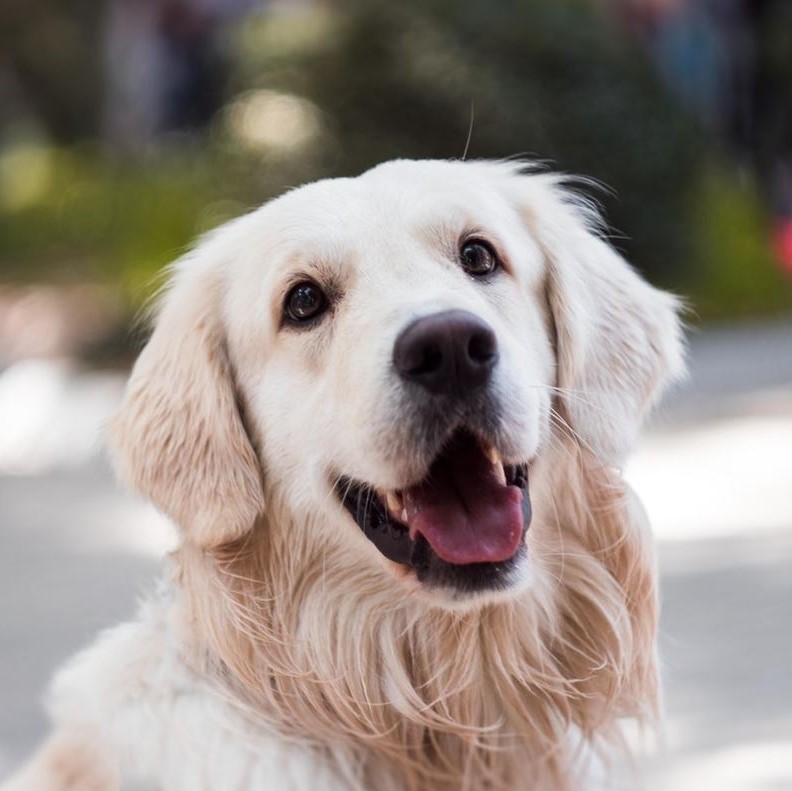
x: 392, y: 538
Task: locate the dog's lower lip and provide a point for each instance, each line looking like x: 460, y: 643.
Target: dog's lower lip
x: 371, y: 514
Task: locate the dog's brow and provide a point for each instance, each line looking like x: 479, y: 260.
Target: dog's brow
x: 441, y: 235
x: 446, y: 234
x: 321, y: 270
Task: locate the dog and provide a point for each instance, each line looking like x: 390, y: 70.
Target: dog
x: 388, y: 415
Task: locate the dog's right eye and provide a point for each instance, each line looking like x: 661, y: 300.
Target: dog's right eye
x: 304, y: 302
x: 478, y: 258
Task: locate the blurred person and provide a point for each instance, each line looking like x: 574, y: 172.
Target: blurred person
x: 730, y: 63
x: 767, y: 135
x: 193, y: 64
x: 691, y: 53
x: 166, y: 68
x: 134, y: 61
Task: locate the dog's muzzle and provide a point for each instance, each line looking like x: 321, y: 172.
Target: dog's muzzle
x: 463, y: 525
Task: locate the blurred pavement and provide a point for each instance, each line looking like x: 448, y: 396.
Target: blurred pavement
x: 715, y: 473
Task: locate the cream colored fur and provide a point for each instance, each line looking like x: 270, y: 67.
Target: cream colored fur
x: 284, y: 651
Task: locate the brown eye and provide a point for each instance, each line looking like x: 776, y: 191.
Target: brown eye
x: 478, y: 258
x: 304, y: 302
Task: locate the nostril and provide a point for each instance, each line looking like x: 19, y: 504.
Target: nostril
x: 429, y: 361
x: 482, y: 347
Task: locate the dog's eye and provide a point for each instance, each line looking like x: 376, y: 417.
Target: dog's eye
x: 304, y: 302
x: 478, y: 258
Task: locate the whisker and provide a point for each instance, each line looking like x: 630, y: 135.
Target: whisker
x: 576, y: 394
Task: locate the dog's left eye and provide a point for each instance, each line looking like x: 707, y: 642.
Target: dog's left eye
x: 304, y: 302
x: 478, y: 258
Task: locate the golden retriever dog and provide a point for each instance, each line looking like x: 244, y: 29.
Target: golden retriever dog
x: 388, y: 416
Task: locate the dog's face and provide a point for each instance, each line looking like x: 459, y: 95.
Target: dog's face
x: 396, y: 364
x: 393, y: 347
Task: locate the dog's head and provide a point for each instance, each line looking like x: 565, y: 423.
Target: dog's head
x: 387, y: 357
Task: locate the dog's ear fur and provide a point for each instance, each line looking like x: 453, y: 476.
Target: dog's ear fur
x: 618, y: 344
x: 618, y: 339
x: 179, y: 437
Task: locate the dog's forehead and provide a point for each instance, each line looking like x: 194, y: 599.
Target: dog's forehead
x: 390, y: 202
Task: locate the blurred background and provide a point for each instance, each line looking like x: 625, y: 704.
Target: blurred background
x: 128, y: 127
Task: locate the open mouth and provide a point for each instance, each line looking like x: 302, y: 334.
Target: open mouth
x: 463, y: 525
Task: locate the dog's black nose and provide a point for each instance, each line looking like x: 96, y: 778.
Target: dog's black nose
x: 452, y: 352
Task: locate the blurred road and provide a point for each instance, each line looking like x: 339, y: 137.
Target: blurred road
x: 715, y: 472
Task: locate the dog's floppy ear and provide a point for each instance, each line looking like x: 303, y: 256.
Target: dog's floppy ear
x: 618, y: 339
x: 179, y: 437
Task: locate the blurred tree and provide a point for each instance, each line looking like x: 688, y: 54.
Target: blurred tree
x: 551, y: 78
x: 52, y: 52
x: 323, y: 89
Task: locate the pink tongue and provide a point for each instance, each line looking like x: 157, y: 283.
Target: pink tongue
x: 463, y: 509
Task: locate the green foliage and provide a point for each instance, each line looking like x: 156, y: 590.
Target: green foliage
x: 95, y: 217
x: 92, y: 213
x: 374, y: 80
x: 735, y: 272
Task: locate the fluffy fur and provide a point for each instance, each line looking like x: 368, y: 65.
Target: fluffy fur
x: 284, y: 651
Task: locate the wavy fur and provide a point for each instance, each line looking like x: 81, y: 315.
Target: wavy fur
x: 285, y: 652
x: 420, y: 697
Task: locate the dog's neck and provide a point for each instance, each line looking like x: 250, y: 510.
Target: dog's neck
x: 435, y: 698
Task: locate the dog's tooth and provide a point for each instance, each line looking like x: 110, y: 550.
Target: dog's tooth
x: 396, y: 506
x: 493, y: 455
x: 495, y: 459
